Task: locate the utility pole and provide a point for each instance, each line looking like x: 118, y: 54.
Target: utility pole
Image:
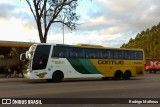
x: 63, y: 32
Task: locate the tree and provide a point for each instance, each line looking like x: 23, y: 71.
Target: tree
x: 47, y: 12
x: 123, y: 46
x: 148, y: 40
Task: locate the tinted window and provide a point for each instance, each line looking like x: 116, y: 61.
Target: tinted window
x: 118, y: 54
x: 77, y: 53
x: 133, y: 55
x: 138, y: 55
x: 108, y: 54
x: 92, y: 53
x: 129, y: 55
x: 60, y: 51
x: 40, y: 58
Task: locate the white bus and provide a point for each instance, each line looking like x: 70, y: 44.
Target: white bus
x: 54, y: 62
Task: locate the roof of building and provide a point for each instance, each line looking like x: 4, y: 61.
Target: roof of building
x: 15, y: 44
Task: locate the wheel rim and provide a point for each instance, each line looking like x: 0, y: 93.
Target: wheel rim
x: 57, y: 77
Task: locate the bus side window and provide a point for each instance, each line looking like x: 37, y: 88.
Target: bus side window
x: 92, y: 53
x: 133, y: 55
x: 77, y: 52
x: 120, y: 54
x: 128, y: 55
x: 60, y: 51
x: 107, y: 54
x: 115, y: 54
x: 61, y: 54
x: 138, y: 55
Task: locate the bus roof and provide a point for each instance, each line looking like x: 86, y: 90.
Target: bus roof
x: 15, y: 44
x: 90, y: 46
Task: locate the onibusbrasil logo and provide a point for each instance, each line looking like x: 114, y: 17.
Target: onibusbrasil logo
x: 21, y: 101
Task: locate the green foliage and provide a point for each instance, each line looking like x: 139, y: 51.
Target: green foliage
x: 149, y: 40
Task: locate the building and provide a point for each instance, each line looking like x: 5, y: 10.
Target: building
x: 9, y: 55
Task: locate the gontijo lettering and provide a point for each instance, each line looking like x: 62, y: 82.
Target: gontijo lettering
x: 110, y: 62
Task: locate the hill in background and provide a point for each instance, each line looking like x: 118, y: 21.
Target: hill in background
x: 149, y: 40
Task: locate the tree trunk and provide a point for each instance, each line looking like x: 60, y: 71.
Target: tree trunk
x: 41, y: 38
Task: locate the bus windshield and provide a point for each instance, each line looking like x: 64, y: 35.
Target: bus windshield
x: 40, y: 58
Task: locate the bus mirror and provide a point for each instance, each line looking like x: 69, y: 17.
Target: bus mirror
x: 26, y: 55
x: 23, y: 57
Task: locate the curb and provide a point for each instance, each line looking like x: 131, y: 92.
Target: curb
x: 11, y: 79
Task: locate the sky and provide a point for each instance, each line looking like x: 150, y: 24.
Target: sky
x: 102, y: 22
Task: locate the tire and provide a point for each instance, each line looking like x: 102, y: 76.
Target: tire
x: 118, y: 75
x: 151, y: 72
x: 105, y: 78
x: 49, y: 80
x: 57, y: 76
x: 155, y: 72
x: 127, y: 75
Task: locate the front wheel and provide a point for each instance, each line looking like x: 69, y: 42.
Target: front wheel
x: 57, y: 76
x: 105, y: 78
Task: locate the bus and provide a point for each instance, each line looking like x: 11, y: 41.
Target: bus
x: 55, y: 62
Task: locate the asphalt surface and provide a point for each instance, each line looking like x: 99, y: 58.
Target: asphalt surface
x: 147, y: 86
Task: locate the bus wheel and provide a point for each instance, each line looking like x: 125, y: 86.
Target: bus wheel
x: 151, y: 72
x: 118, y: 75
x: 105, y: 78
x: 127, y: 75
x: 49, y: 80
x: 154, y: 71
x: 57, y: 76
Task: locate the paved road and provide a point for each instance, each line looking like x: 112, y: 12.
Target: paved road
x: 147, y: 86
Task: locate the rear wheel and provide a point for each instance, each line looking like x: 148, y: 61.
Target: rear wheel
x: 57, y: 76
x: 127, y: 75
x: 118, y: 75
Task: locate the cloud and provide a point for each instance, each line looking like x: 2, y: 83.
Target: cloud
x: 110, y: 31
x: 135, y: 15
x: 16, y: 23
x: 10, y: 10
x: 7, y: 10
x: 98, y: 23
x: 119, y: 5
x: 103, y: 22
x: 121, y: 17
